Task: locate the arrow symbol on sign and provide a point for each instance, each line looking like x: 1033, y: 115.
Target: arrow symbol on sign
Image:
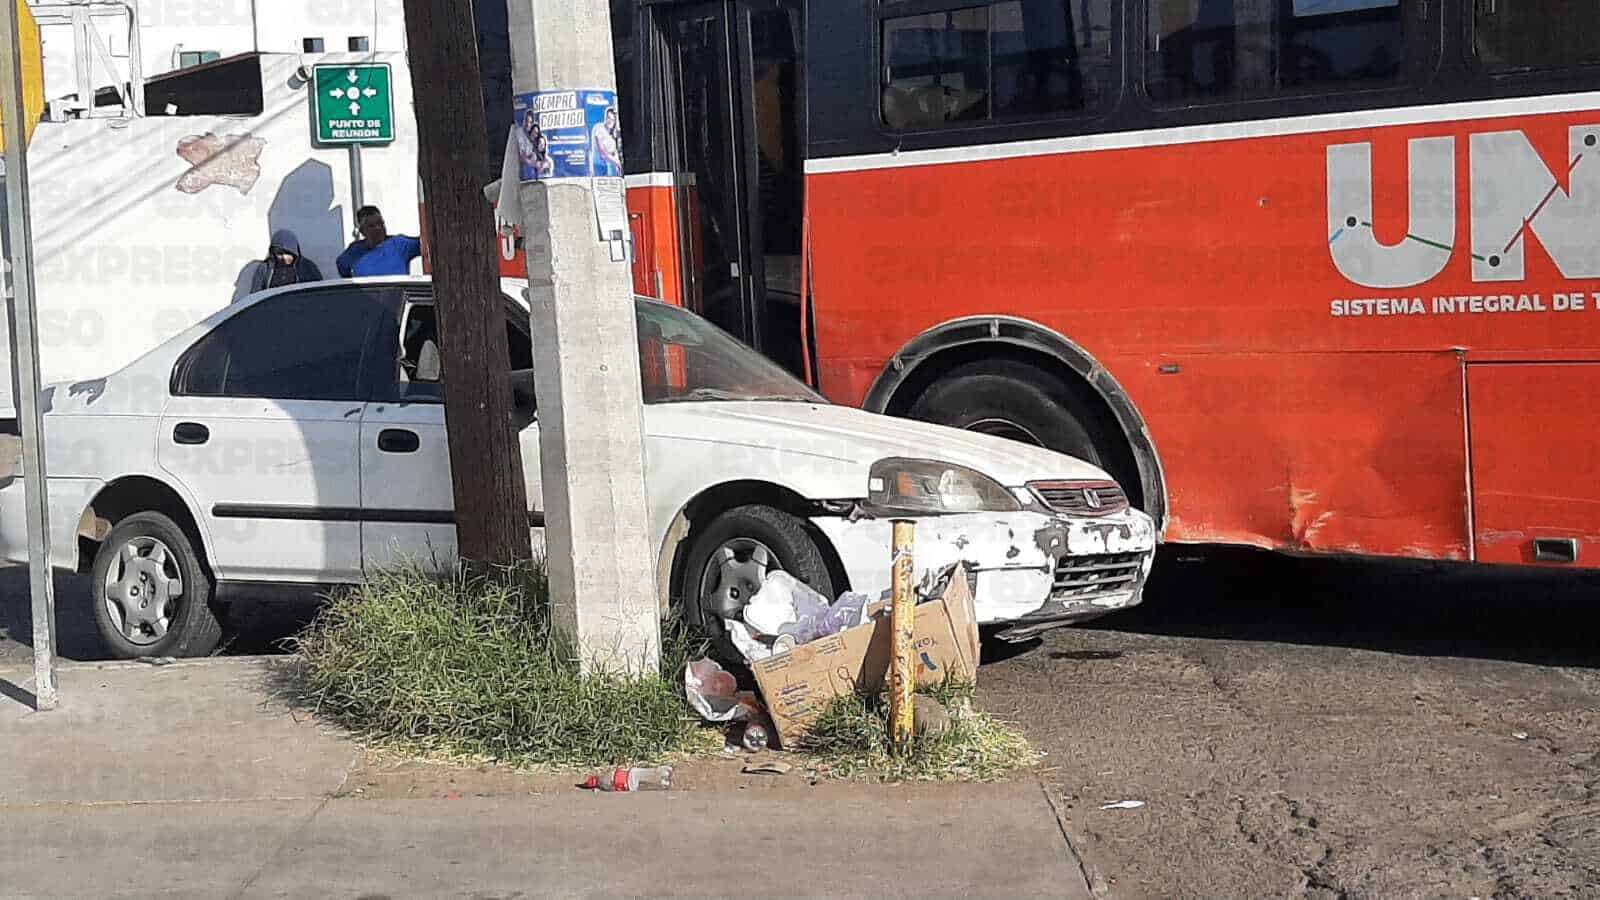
x: 353, y: 76
x: 370, y: 92
x: 355, y: 109
x: 336, y: 93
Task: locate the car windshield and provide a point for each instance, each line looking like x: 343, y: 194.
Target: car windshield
x: 684, y: 358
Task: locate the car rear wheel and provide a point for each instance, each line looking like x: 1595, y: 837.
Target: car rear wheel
x: 731, y: 556
x: 151, y: 595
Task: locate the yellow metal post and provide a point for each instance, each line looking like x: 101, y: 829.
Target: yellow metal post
x: 902, y: 621
x: 30, y: 54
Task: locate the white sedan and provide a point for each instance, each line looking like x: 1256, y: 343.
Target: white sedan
x: 297, y: 440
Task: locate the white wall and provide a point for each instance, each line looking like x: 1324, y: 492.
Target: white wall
x: 165, y: 26
x: 284, y: 24
x: 126, y: 260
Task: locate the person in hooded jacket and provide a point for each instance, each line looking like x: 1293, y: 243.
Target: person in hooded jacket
x: 284, y: 264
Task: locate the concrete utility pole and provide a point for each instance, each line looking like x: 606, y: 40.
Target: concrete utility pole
x: 586, y: 359
x: 25, y: 354
x: 485, y: 457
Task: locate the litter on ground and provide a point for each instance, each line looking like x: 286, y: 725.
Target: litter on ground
x: 1124, y: 804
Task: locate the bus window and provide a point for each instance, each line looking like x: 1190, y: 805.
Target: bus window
x: 1236, y: 49
x: 1041, y: 63
x: 937, y: 68
x: 1002, y: 60
x: 1549, y: 34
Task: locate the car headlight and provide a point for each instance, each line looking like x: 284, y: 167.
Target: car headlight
x: 922, y: 486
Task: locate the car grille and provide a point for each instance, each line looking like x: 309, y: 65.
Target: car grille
x: 1081, y: 498
x: 1087, y: 577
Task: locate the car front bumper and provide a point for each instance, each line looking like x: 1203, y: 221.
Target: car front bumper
x: 1031, y: 570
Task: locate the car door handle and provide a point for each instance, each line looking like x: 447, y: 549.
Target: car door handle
x: 398, y: 440
x: 191, y: 433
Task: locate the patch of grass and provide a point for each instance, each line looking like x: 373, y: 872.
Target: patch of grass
x: 851, y: 740
x: 472, y: 667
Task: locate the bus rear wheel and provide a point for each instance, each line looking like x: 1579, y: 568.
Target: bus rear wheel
x: 1012, y: 399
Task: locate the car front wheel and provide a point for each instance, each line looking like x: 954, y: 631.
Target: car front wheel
x: 151, y: 595
x: 731, y: 557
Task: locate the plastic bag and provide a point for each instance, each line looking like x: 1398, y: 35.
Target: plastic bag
x: 782, y: 600
x: 845, y: 613
x: 849, y: 611
x: 715, y: 694
x: 748, y: 645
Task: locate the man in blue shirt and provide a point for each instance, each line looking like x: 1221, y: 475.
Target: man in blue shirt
x: 377, y: 253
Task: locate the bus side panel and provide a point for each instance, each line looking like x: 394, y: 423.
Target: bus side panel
x: 1319, y: 452
x: 1226, y: 461
x: 1226, y: 248
x: 1535, y: 462
x: 657, y: 256
x: 654, y: 226
x: 1224, y: 245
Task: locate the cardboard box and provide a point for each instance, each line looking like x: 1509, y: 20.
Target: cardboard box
x: 799, y: 685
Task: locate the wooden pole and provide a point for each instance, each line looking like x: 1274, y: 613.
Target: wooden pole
x: 485, y: 456
x: 902, y: 621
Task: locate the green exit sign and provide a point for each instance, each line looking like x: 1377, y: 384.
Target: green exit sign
x: 353, y: 104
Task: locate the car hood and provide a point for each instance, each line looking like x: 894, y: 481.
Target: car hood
x: 852, y: 435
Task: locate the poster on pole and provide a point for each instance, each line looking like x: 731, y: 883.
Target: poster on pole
x: 568, y: 134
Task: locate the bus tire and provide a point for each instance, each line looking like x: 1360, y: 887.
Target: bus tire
x: 1012, y: 399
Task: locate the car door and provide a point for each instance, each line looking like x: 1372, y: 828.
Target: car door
x: 408, y: 499
x: 262, y: 431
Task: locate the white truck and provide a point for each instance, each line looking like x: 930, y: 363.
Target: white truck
x: 145, y: 225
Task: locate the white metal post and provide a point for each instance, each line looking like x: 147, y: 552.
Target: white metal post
x: 358, y: 193
x: 82, y: 61
x: 24, y: 351
x: 601, y: 566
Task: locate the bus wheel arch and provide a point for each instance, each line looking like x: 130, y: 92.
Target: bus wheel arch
x: 946, y: 348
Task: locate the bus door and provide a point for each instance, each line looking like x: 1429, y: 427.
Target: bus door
x: 734, y: 114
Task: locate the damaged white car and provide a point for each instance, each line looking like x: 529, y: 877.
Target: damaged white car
x: 297, y: 440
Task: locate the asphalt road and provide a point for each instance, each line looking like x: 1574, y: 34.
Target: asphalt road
x: 1324, y: 729
x: 1293, y: 727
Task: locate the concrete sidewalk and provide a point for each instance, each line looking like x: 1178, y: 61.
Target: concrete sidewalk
x: 195, y: 779
x: 204, y: 730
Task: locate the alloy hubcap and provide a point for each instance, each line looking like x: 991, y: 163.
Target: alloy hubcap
x: 734, y: 574
x: 143, y: 587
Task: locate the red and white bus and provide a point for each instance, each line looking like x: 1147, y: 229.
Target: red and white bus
x: 1316, y: 275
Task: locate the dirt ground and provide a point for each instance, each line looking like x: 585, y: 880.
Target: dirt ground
x: 1358, y: 731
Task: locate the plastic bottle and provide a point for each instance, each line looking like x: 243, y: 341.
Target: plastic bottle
x: 637, y: 778
x: 755, y: 737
